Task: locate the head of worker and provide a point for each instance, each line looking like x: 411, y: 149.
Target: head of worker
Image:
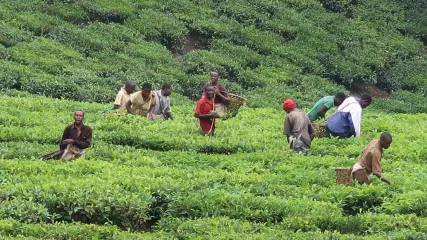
x: 78, y: 117
x: 339, y: 98
x: 146, y: 90
x: 289, y: 105
x: 166, y: 90
x: 365, y: 100
x: 130, y: 87
x: 209, y: 91
x: 385, y: 140
x: 214, y: 77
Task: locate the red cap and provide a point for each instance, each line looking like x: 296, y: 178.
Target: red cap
x: 288, y: 104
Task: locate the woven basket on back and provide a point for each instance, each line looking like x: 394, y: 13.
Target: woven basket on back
x: 236, y: 102
x: 343, y: 176
x: 319, y: 130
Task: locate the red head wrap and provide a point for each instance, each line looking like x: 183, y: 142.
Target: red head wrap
x: 288, y: 104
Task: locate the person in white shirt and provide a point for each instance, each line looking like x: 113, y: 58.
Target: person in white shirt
x: 162, y: 109
x: 346, y: 121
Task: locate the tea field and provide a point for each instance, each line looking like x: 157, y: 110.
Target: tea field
x: 160, y: 180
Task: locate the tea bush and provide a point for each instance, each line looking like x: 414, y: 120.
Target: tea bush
x: 256, y: 46
x: 129, y: 181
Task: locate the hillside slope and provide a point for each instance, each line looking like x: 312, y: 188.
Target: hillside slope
x: 266, y: 50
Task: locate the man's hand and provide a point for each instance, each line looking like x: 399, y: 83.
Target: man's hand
x: 215, y: 115
x: 384, y: 179
x: 68, y: 141
x: 216, y: 90
x: 168, y: 115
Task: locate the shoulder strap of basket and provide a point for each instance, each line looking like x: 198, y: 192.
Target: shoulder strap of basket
x: 339, y: 110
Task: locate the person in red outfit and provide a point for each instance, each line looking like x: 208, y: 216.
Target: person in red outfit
x: 205, y: 111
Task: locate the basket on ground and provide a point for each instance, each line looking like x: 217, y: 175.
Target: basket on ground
x: 53, y: 155
x: 343, y: 176
x: 319, y: 130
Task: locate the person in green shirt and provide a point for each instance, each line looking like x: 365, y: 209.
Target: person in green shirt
x: 324, y: 104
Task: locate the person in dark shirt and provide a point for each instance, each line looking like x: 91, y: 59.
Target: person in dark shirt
x: 76, y: 138
x: 221, y: 98
x: 297, y: 128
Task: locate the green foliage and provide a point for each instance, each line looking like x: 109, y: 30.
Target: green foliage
x: 407, y: 75
x: 401, y: 102
x: 255, y: 46
x: 78, y: 11
x: 10, y: 36
x: 20, y: 230
x: 38, y: 23
x: 201, y: 61
x: 163, y: 177
x: 254, y: 188
x: 95, y: 37
x: 160, y: 27
x: 46, y: 55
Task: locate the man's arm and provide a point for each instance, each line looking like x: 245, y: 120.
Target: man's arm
x: 322, y: 111
x: 169, y: 115
x: 168, y: 111
x: 224, y: 97
x: 62, y: 144
x: 128, y: 108
x: 198, y: 113
x: 205, y: 116
x: 153, y: 104
x: 376, y: 167
x: 222, y: 92
x: 287, y: 128
x: 118, y: 100
x: 382, y: 178
x: 82, y: 144
x: 150, y: 110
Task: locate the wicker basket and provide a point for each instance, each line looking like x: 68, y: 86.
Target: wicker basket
x: 343, y: 176
x: 53, y: 155
x: 236, y: 102
x: 319, y: 130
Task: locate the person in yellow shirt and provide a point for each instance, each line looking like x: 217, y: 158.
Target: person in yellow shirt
x: 123, y: 96
x: 142, y: 102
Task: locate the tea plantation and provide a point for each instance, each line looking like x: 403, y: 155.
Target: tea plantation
x: 160, y: 180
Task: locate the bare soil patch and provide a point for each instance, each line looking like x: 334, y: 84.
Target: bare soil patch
x: 374, y: 91
x: 193, y: 41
